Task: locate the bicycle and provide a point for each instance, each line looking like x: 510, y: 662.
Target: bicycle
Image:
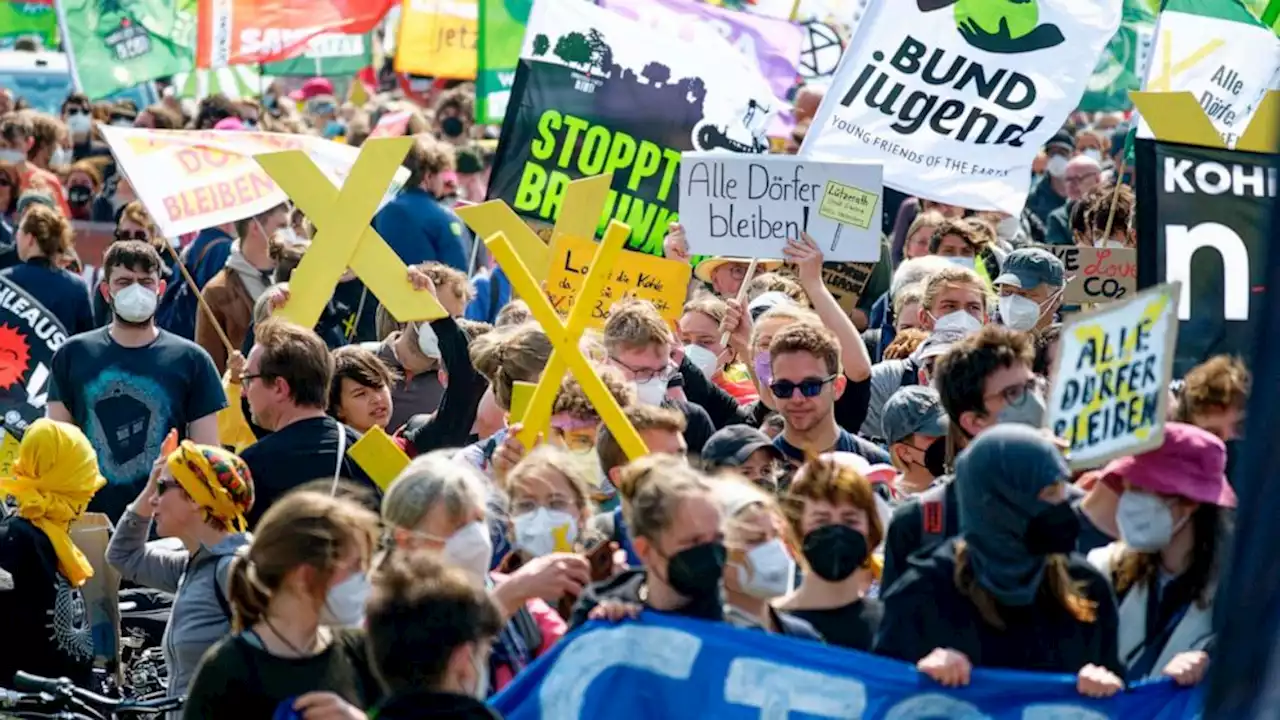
x: 43, y: 698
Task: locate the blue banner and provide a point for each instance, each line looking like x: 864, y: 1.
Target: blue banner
x: 674, y: 668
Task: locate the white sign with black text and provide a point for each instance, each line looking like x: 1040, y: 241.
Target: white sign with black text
x: 749, y: 205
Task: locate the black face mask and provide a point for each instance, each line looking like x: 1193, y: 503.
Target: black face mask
x: 935, y: 458
x: 1053, y: 531
x: 79, y: 195
x: 695, y: 572
x: 452, y: 126
x: 834, y: 552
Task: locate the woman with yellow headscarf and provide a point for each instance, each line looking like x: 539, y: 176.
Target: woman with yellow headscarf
x: 41, y: 569
x: 199, y: 494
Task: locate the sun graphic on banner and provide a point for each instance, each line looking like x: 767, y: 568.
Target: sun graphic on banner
x: 15, y: 354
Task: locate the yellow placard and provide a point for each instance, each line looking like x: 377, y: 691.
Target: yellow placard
x: 848, y: 204
x: 8, y: 454
x: 521, y: 394
x: 1177, y: 117
x: 380, y: 458
x: 662, y: 282
x: 338, y: 218
x: 438, y: 38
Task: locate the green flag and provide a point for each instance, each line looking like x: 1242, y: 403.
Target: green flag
x: 113, y: 45
x: 22, y: 18
x: 1120, y: 67
x: 328, y: 55
x: 501, y: 36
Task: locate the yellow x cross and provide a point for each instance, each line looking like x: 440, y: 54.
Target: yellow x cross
x: 1177, y: 117
x: 343, y: 234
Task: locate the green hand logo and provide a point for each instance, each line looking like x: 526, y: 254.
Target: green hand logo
x: 1000, y: 26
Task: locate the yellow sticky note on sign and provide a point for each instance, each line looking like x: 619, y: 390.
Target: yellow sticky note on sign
x: 380, y: 458
x: 660, y: 281
x: 848, y: 205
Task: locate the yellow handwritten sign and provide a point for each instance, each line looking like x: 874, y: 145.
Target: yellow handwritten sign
x: 344, y: 236
x: 1110, y: 386
x: 379, y: 456
x: 1177, y: 117
x: 848, y: 204
x: 8, y: 453
x: 662, y: 282
x: 438, y: 38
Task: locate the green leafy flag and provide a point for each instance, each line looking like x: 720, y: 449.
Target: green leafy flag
x: 501, y: 35
x: 27, y: 18
x: 1121, y: 65
x: 328, y: 55
x: 113, y: 45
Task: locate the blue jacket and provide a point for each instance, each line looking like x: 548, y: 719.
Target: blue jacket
x: 492, y: 293
x: 420, y: 229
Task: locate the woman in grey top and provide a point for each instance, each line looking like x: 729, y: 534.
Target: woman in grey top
x: 198, y: 494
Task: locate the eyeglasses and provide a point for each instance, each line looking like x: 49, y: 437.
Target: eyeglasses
x: 644, y: 375
x: 122, y: 235
x: 76, y: 111
x: 809, y: 387
x: 1015, y: 395
x: 248, y: 377
x: 163, y: 485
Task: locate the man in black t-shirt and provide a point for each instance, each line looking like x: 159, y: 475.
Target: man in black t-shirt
x: 128, y: 384
x: 286, y: 381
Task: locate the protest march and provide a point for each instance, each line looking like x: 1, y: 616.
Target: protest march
x: 681, y: 359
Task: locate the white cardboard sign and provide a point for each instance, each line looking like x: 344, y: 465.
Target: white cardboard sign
x: 748, y: 205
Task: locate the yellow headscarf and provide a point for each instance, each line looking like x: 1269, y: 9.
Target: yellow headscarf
x: 216, y: 479
x: 55, y: 476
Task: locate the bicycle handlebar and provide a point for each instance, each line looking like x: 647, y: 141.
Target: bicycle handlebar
x: 62, y: 690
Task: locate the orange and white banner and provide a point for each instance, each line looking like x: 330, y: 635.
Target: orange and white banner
x: 438, y: 38
x: 247, y: 32
x: 193, y: 179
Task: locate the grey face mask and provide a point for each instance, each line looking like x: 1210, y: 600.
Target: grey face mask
x: 1028, y: 412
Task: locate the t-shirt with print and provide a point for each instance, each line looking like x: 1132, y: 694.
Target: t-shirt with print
x: 126, y: 400
x: 845, y: 442
x: 47, y: 629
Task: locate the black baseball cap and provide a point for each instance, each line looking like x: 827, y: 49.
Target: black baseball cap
x: 731, y: 446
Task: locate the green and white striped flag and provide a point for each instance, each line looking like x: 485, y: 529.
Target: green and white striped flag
x: 1220, y: 52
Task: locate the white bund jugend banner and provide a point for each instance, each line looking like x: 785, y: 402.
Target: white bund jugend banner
x: 955, y: 97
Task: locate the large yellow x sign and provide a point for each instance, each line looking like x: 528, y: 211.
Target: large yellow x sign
x: 343, y: 236
x: 1177, y: 117
x: 566, y: 354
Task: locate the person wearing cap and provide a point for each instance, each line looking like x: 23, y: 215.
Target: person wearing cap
x: 313, y: 87
x: 745, y: 451
x: 198, y: 494
x: 725, y: 275
x: 914, y: 422
x: 1083, y: 174
x: 1010, y: 592
x: 1050, y: 191
x: 1164, y: 569
x: 1030, y: 288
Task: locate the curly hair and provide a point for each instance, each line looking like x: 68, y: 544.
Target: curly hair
x: 572, y: 400
x: 1219, y: 384
x: 905, y: 343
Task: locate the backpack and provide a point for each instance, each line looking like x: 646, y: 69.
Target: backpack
x: 933, y: 515
x: 178, y: 307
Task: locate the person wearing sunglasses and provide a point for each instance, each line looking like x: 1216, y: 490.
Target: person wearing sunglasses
x: 198, y: 494
x: 807, y: 379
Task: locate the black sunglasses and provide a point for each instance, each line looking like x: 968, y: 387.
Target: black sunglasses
x: 809, y: 387
x: 163, y: 485
x: 122, y: 235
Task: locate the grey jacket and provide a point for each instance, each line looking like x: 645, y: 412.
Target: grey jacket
x: 198, y: 618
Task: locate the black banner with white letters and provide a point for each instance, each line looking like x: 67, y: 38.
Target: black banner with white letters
x: 1204, y: 218
x: 29, y: 336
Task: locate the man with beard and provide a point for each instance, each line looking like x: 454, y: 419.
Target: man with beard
x: 128, y: 384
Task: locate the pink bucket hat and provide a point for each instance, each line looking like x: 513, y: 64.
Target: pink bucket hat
x: 1191, y: 463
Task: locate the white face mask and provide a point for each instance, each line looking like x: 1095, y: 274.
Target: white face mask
x: 135, y: 304
x: 968, y: 263
x: 1100, y: 243
x: 1009, y: 227
x: 79, y: 123
x: 958, y: 321
x: 480, y: 664
x: 1019, y: 313
x: 544, y: 531
x: 12, y: 157
x: 651, y: 392
x: 1094, y: 155
x: 1146, y: 521
x: 703, y: 359
x: 428, y: 341
x: 470, y: 549
x: 768, y: 571
x: 61, y: 156
x: 344, y: 603
x: 1057, y: 166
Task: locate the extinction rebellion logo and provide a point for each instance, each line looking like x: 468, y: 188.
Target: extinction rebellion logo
x: 1000, y: 26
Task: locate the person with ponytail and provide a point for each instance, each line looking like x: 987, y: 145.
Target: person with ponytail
x: 834, y: 519
x: 198, y: 494
x: 41, y: 569
x: 1009, y: 591
x: 297, y: 595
